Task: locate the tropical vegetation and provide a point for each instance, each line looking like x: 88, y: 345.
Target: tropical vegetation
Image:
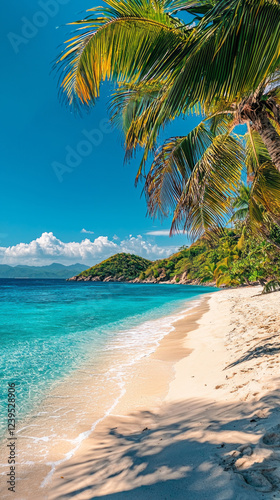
x: 221, y: 261
x: 231, y: 257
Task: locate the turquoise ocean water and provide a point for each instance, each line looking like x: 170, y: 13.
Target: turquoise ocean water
x: 50, y: 328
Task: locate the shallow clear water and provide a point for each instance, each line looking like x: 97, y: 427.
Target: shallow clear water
x: 49, y: 328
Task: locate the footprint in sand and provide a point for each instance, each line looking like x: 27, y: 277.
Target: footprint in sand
x: 262, y: 413
x: 239, y: 387
x: 246, y: 397
x: 272, y: 438
x: 258, y: 481
x: 262, y: 475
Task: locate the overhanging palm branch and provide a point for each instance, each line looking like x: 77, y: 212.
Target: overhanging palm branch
x: 119, y: 42
x: 232, y: 52
x: 173, y: 165
x: 140, y: 111
x: 193, y: 177
x: 264, y: 195
x: 225, y: 66
x: 257, y: 206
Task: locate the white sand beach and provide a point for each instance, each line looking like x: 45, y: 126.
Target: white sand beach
x: 213, y: 432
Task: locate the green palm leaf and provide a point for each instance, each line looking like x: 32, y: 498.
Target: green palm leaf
x: 119, y: 43
x: 234, y: 49
x: 140, y: 111
x: 205, y: 201
x: 264, y: 199
x: 173, y: 165
x: 193, y: 177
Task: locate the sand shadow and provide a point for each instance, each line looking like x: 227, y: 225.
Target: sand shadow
x: 267, y: 349
x: 183, y: 453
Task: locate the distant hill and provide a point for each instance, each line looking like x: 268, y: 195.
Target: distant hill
x: 119, y: 267
x: 53, y: 271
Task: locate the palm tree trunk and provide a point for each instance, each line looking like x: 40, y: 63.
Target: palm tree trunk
x: 270, y: 137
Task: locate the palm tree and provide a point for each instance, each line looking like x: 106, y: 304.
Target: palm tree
x: 209, y: 272
x: 224, y: 66
x: 222, y: 272
x: 241, y: 204
x: 251, y: 213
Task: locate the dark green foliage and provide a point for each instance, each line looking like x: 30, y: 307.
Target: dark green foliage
x: 121, y: 265
x: 234, y: 258
x: 274, y: 234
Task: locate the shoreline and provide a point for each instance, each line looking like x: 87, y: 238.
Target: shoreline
x: 38, y: 470
x: 214, y: 435
x: 199, y: 418
x: 137, y: 281
x: 159, y: 366
x: 124, y: 400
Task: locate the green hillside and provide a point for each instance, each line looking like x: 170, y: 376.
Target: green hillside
x: 234, y: 258
x: 119, y: 267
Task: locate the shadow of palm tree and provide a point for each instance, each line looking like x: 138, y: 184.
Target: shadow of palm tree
x: 267, y: 349
x: 182, y: 452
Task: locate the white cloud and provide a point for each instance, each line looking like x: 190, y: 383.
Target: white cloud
x: 86, y: 231
x: 161, y: 232
x: 48, y: 249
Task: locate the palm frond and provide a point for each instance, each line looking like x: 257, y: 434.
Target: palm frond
x: 265, y: 195
x: 173, y: 165
x: 234, y: 48
x: 256, y: 152
x: 195, y: 7
x: 140, y: 111
x: 206, y: 199
x: 240, y: 214
x: 119, y: 42
x: 194, y: 177
x: 265, y: 190
x: 264, y: 198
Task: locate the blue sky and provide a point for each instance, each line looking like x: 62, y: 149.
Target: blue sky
x: 98, y: 195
